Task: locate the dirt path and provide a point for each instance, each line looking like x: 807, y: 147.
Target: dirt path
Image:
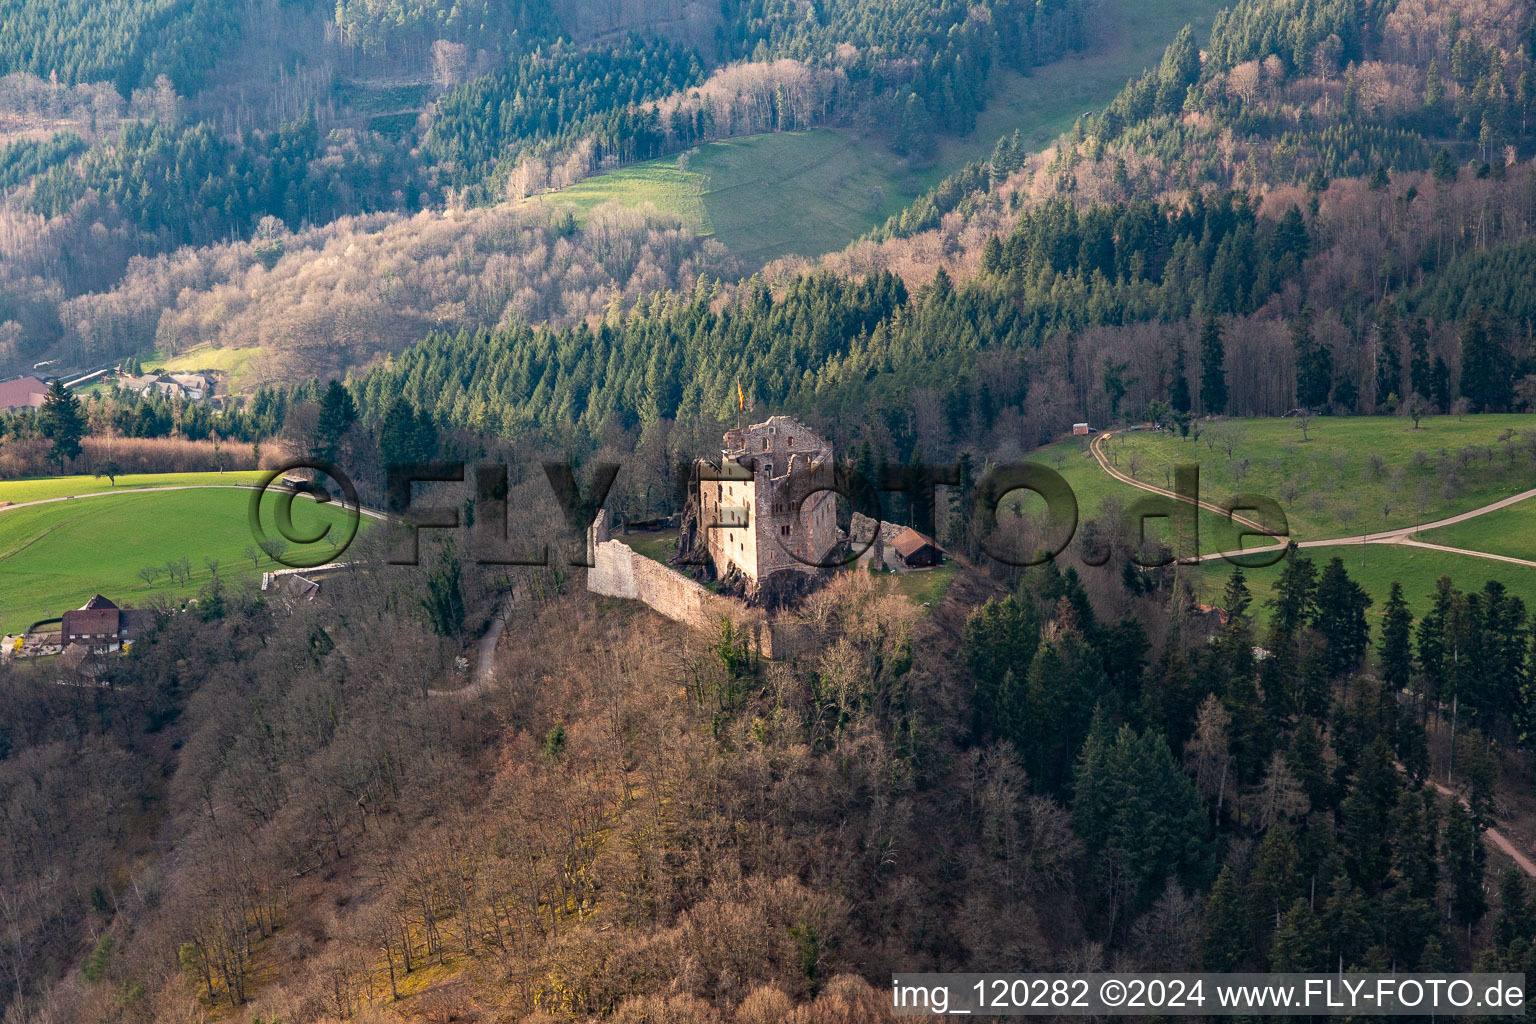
x: 369, y: 512
x: 1493, y: 835
x: 1402, y: 535
x: 1095, y: 448
x: 485, y: 656
x: 1399, y: 536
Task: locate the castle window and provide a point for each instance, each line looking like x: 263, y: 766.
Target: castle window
x: 768, y: 468
x: 791, y: 441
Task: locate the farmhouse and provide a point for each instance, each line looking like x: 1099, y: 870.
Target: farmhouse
x: 746, y: 514
x: 22, y: 393
x: 101, y: 626
x: 192, y: 386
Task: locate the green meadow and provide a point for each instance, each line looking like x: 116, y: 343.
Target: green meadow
x: 53, y: 557
x: 1348, y: 475
x: 1097, y: 491
x: 1510, y: 531
x: 1328, y: 483
x: 234, y: 362
x: 40, y: 488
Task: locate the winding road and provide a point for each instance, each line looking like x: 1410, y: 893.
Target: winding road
x: 1400, y: 536
x: 485, y: 655
x: 1403, y: 535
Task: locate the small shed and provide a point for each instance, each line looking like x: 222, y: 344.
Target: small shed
x: 915, y: 550
x: 1080, y: 429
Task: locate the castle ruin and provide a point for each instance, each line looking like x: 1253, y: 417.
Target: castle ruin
x: 750, y: 514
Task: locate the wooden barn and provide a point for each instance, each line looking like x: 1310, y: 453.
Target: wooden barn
x: 916, y: 550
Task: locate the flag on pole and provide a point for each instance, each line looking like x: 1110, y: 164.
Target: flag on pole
x: 741, y: 399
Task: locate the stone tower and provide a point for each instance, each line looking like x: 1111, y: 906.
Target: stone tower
x: 747, y: 521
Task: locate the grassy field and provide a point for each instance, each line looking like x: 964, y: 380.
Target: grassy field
x: 53, y: 557
x: 1375, y: 568
x: 1353, y: 475
x: 1095, y: 488
x: 659, y: 547
x: 739, y: 191
x: 1509, y: 531
x: 926, y: 586
x: 813, y: 192
x: 233, y: 362
x: 1338, y: 466
x: 39, y: 488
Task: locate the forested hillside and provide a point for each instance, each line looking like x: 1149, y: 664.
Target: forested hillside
x: 551, y: 100
x: 368, y: 801
x: 126, y: 42
x: 644, y: 823
x: 393, y: 107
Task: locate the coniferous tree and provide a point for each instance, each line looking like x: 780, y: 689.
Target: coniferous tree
x: 1179, y: 396
x: 406, y: 436
x: 1349, y: 921
x: 1440, y: 385
x: 1065, y: 682
x: 1314, y: 363
x: 1366, y: 816
x: 1416, y: 828
x: 1299, y: 943
x: 1434, y: 641
x: 991, y: 255
x: 1000, y: 637
x: 1274, y: 881
x: 1136, y: 808
x: 1515, y: 920
x: 1340, y: 618
x: 1498, y: 685
x: 1486, y: 368
x: 1420, y: 368
x: 1234, y: 644
x: 1225, y: 942
x: 1295, y: 600
x: 1213, y: 369
x: 1291, y: 243
x: 1465, y: 857
x: 444, y: 600
x: 1389, y: 364
x: 62, y: 421
x: 1396, y: 640
x: 337, y: 414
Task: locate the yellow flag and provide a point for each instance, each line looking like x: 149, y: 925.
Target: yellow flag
x: 741, y: 400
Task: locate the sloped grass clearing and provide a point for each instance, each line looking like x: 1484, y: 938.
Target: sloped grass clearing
x: 53, y: 557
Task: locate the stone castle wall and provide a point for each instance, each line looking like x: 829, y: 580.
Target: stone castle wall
x: 619, y: 571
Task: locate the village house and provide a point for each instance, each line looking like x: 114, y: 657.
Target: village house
x: 101, y: 626
x: 745, y: 514
x: 194, y: 387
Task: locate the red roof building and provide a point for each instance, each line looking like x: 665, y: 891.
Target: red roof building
x: 22, y: 393
x: 91, y: 625
x: 101, y: 625
x: 916, y: 549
